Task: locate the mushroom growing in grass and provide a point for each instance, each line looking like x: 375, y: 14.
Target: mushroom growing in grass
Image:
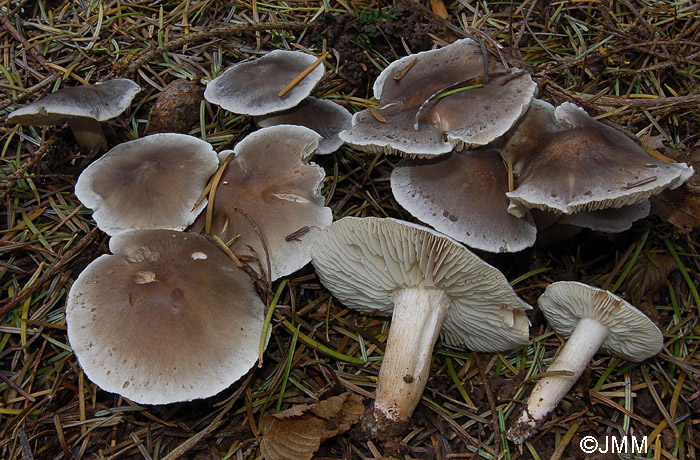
x: 433, y: 285
x: 323, y: 116
x: 254, y: 87
x: 567, y: 162
x: 168, y: 317
x: 152, y: 182
x: 83, y: 107
x: 463, y: 195
x: 268, y: 199
x: 591, y: 318
x: 435, y: 101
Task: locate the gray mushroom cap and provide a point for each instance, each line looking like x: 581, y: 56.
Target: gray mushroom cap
x: 463, y: 195
x: 632, y: 335
x: 415, y: 121
x: 364, y: 261
x: 168, y: 317
x: 568, y: 162
x: 152, y: 182
x: 272, y: 181
x: 101, y: 101
x: 251, y: 87
x: 323, y: 116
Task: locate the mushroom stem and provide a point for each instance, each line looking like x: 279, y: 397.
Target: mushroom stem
x: 584, y: 342
x: 415, y: 327
x: 88, y: 133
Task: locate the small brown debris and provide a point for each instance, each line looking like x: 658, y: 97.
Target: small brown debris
x: 177, y: 108
x: 295, y: 434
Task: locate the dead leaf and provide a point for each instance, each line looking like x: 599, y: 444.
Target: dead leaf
x: 297, y: 433
x: 680, y: 207
x: 649, y: 276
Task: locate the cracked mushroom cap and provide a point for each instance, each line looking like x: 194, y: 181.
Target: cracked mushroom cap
x: 463, y: 195
x: 271, y: 180
x: 568, y: 162
x: 168, y: 317
x: 152, y: 182
x: 101, y: 101
x: 325, y: 117
x: 251, y: 87
x: 363, y: 261
x: 632, y: 336
x: 418, y: 116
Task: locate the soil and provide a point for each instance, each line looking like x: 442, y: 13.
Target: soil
x: 357, y: 36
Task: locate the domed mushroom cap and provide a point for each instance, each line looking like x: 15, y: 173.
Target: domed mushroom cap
x: 608, y: 220
x: 325, y: 117
x: 271, y: 180
x: 463, y: 195
x: 152, y: 182
x: 251, y: 87
x: 632, y: 335
x: 364, y: 261
x: 568, y: 162
x: 415, y: 119
x: 167, y: 318
x: 101, y: 101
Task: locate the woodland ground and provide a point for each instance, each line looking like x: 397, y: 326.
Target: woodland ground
x: 634, y: 64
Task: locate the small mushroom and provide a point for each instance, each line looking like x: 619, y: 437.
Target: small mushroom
x: 168, y: 317
x: 433, y: 285
x: 590, y: 318
x: 463, y: 195
x: 435, y: 101
x: 83, y: 107
x: 271, y: 191
x: 253, y: 87
x: 152, y: 182
x: 325, y: 117
x: 568, y: 162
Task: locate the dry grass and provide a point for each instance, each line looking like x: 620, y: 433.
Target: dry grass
x: 632, y: 63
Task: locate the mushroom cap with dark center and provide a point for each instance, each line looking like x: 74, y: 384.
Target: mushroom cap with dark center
x: 272, y: 181
x: 325, y: 117
x: 463, y: 195
x: 152, y: 182
x: 365, y: 261
x: 251, y: 87
x: 632, y: 335
x: 168, y: 317
x: 568, y: 162
x: 463, y: 119
x: 101, y: 101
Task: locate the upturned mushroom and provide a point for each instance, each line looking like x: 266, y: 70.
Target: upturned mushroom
x: 268, y: 199
x: 435, y: 101
x: 168, y: 317
x: 148, y: 183
x: 566, y: 162
x: 253, y: 87
x: 590, y: 318
x: 83, y: 107
x: 463, y: 195
x: 434, y: 287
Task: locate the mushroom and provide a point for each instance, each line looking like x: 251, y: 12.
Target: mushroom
x: 325, y: 117
x: 590, y: 318
x: 433, y: 285
x: 435, y: 101
x: 83, y: 107
x: 168, y: 317
x: 568, y: 162
x: 253, y: 87
x: 463, y: 195
x: 152, y: 182
x: 270, y: 186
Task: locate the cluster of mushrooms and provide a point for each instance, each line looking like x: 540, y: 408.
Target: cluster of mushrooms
x: 172, y: 316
